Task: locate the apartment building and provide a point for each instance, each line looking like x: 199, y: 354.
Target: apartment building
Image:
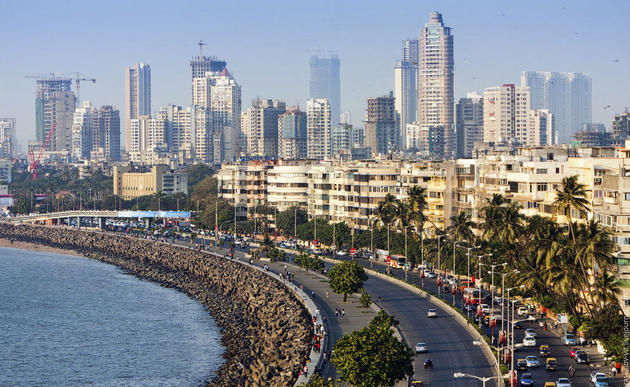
x: 245, y: 185
x: 287, y: 185
x: 130, y: 184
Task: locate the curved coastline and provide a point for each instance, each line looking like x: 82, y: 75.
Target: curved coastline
x: 265, y: 330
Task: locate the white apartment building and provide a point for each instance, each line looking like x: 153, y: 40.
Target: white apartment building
x: 260, y: 126
x: 82, y: 129
x: 318, y: 129
x: 542, y: 129
x: 287, y: 185
x: 137, y: 93
x: 146, y: 135
x: 506, y: 114
x: 8, y: 140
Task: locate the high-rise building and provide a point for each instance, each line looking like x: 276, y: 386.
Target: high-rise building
x: 7, y: 138
x: 138, y: 93
x: 147, y: 135
x: 541, y: 128
x: 506, y: 114
x: 82, y: 131
x: 179, y: 130
x: 318, y: 126
x: 357, y: 136
x: 260, y: 125
x: 325, y: 83
x: 382, y: 125
x: 292, y: 134
x: 469, y: 123
x: 341, y: 138
x: 55, y: 102
x: 621, y: 127
x: 109, y: 127
x: 436, y: 80
x: 200, y: 65
x: 593, y: 134
x: 406, y: 85
x: 567, y: 96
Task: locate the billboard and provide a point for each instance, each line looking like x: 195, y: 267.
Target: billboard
x: 153, y: 214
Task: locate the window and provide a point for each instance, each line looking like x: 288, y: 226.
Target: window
x: 541, y: 187
x: 627, y: 196
x: 541, y: 171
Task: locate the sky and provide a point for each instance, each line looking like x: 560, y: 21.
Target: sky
x: 267, y: 45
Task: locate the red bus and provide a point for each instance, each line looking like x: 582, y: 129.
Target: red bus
x: 472, y: 296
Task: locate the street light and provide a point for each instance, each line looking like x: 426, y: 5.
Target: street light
x: 511, y: 335
x: 492, y: 293
x: 468, y: 274
x: 481, y: 378
x: 439, y: 238
x: 479, y: 287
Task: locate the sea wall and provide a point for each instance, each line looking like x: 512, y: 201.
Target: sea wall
x: 266, y: 330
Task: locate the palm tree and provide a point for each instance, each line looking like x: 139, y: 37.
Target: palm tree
x: 571, y: 195
x: 461, y: 228
x: 387, y: 211
x: 607, y: 288
x: 417, y: 204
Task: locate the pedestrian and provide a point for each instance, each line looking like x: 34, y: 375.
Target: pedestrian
x: 312, y: 293
x: 613, y: 372
x: 326, y: 293
x: 336, y: 312
x: 343, y: 312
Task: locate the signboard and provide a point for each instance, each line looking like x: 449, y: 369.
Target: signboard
x: 315, y: 242
x: 353, y: 251
x: 563, y: 318
x: 153, y: 214
x: 388, y: 259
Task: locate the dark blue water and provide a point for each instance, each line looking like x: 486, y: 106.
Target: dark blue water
x: 72, y: 321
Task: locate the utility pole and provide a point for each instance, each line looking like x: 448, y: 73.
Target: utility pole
x: 295, y: 223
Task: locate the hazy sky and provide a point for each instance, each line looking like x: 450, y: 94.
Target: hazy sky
x: 267, y: 45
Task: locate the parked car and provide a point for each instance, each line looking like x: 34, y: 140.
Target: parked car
x: 432, y: 313
x: 563, y: 382
x: 527, y: 379
x: 532, y: 362
x: 421, y: 348
x: 529, y: 342
x: 569, y: 339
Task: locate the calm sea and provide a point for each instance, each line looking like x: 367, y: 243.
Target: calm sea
x: 72, y: 321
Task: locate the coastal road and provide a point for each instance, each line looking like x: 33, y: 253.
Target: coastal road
x: 450, y: 346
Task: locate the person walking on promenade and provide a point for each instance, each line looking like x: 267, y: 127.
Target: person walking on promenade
x: 343, y: 312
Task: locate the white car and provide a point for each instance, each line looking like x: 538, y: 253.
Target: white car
x: 429, y: 274
x: 530, y: 332
x: 532, y: 362
x: 421, y: 348
x: 485, y: 308
x: 529, y: 342
x: 432, y: 313
x: 595, y: 375
x: 522, y: 311
x: 563, y: 382
x: 341, y: 252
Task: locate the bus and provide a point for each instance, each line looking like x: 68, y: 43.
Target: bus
x: 472, y: 295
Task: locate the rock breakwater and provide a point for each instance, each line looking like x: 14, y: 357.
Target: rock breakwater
x: 266, y: 330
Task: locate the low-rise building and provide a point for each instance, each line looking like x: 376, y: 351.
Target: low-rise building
x: 130, y: 184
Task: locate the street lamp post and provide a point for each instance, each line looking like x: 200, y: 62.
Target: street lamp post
x: 511, y: 329
x: 492, y: 293
x: 483, y: 380
x: 453, y: 290
x: 479, y: 264
x: 439, y: 238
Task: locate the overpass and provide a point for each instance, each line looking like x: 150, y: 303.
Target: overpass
x: 97, y: 218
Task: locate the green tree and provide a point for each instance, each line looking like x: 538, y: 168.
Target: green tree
x: 372, y: 356
x: 346, y: 278
x: 287, y: 219
x: 571, y: 195
x: 461, y: 228
x: 318, y: 381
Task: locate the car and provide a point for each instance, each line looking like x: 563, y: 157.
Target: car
x: 527, y: 379
x: 601, y: 381
x: 341, y: 252
x: 573, y: 351
x: 596, y: 374
x: 551, y: 364
x: 532, y: 362
x: 522, y: 311
x: 530, y: 332
x: 550, y: 384
x: 544, y: 350
x: 569, y: 339
x: 516, y: 325
x: 421, y: 348
x: 521, y: 364
x: 432, y: 313
x: 485, y: 308
x: 429, y: 274
x: 582, y: 357
x: 529, y: 342
x: 563, y: 382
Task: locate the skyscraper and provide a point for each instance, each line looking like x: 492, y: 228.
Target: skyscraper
x: 260, y: 125
x: 109, y: 127
x: 436, y: 80
x: 382, y: 126
x: 469, y: 124
x: 325, y: 83
x: 147, y: 135
x: 55, y: 102
x: 138, y: 93
x: 567, y: 96
x: 406, y: 85
x: 541, y: 128
x: 7, y: 138
x: 82, y: 131
x: 200, y: 65
x: 292, y: 134
x: 506, y: 114
x: 340, y: 138
x: 318, y: 126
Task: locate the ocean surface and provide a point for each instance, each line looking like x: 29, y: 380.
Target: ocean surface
x: 72, y: 321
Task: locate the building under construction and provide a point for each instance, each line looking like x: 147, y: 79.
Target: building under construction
x: 55, y: 101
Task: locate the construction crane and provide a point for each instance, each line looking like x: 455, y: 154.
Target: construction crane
x: 78, y: 78
x: 34, y: 163
x: 201, y: 44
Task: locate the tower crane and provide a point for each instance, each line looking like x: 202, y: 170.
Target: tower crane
x: 78, y: 78
x: 34, y: 161
x: 201, y: 44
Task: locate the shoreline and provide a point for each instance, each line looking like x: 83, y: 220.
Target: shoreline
x: 265, y: 330
x: 4, y: 242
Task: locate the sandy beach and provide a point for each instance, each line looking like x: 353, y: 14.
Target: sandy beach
x: 36, y: 247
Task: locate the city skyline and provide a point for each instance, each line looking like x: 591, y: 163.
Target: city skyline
x: 368, y: 56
